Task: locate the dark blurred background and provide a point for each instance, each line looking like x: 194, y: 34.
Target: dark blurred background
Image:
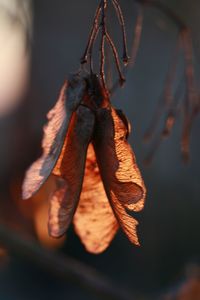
x: 168, y: 260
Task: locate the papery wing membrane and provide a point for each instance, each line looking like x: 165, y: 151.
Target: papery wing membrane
x: 70, y: 169
x: 94, y: 220
x: 120, y: 174
x: 55, y: 131
x: 127, y: 171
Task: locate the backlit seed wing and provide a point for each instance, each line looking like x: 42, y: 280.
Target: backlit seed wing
x: 127, y: 222
x: 70, y: 167
x: 94, y: 220
x: 128, y: 171
x: 125, y: 121
x: 119, y: 172
x: 57, y: 209
x: 54, y: 135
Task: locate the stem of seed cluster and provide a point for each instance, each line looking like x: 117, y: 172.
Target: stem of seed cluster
x: 90, y: 52
x: 116, y: 57
x: 102, y: 47
x: 91, y: 38
x: 122, y: 23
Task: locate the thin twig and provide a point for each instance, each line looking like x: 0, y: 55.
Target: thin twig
x: 191, y: 100
x: 189, y: 67
x: 65, y: 267
x: 137, y: 36
x: 135, y: 47
x: 166, y: 97
x: 174, y: 110
x: 102, y: 46
x: 102, y: 63
x: 123, y: 28
x: 91, y: 39
x: 115, y: 54
x: 90, y: 51
x: 171, y: 117
x: 165, y: 10
x: 156, y: 144
x: 109, y: 77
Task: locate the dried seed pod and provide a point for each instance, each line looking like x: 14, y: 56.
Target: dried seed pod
x: 54, y: 134
x: 70, y: 167
x: 94, y: 220
x: 109, y: 188
x: 120, y: 175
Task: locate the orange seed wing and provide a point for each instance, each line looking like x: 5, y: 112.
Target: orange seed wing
x: 54, y: 135
x: 120, y: 174
x: 94, y: 220
x: 128, y: 172
x: 64, y: 201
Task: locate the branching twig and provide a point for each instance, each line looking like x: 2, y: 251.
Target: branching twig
x: 105, y: 37
x: 167, y: 102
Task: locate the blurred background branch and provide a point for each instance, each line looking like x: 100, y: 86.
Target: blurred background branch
x: 62, y: 266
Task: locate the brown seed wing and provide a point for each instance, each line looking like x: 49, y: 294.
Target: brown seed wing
x: 54, y: 135
x: 64, y: 201
x: 51, y: 146
x: 94, y: 220
x: 128, y: 174
x: 57, y: 210
x: 120, y: 174
x: 127, y: 222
